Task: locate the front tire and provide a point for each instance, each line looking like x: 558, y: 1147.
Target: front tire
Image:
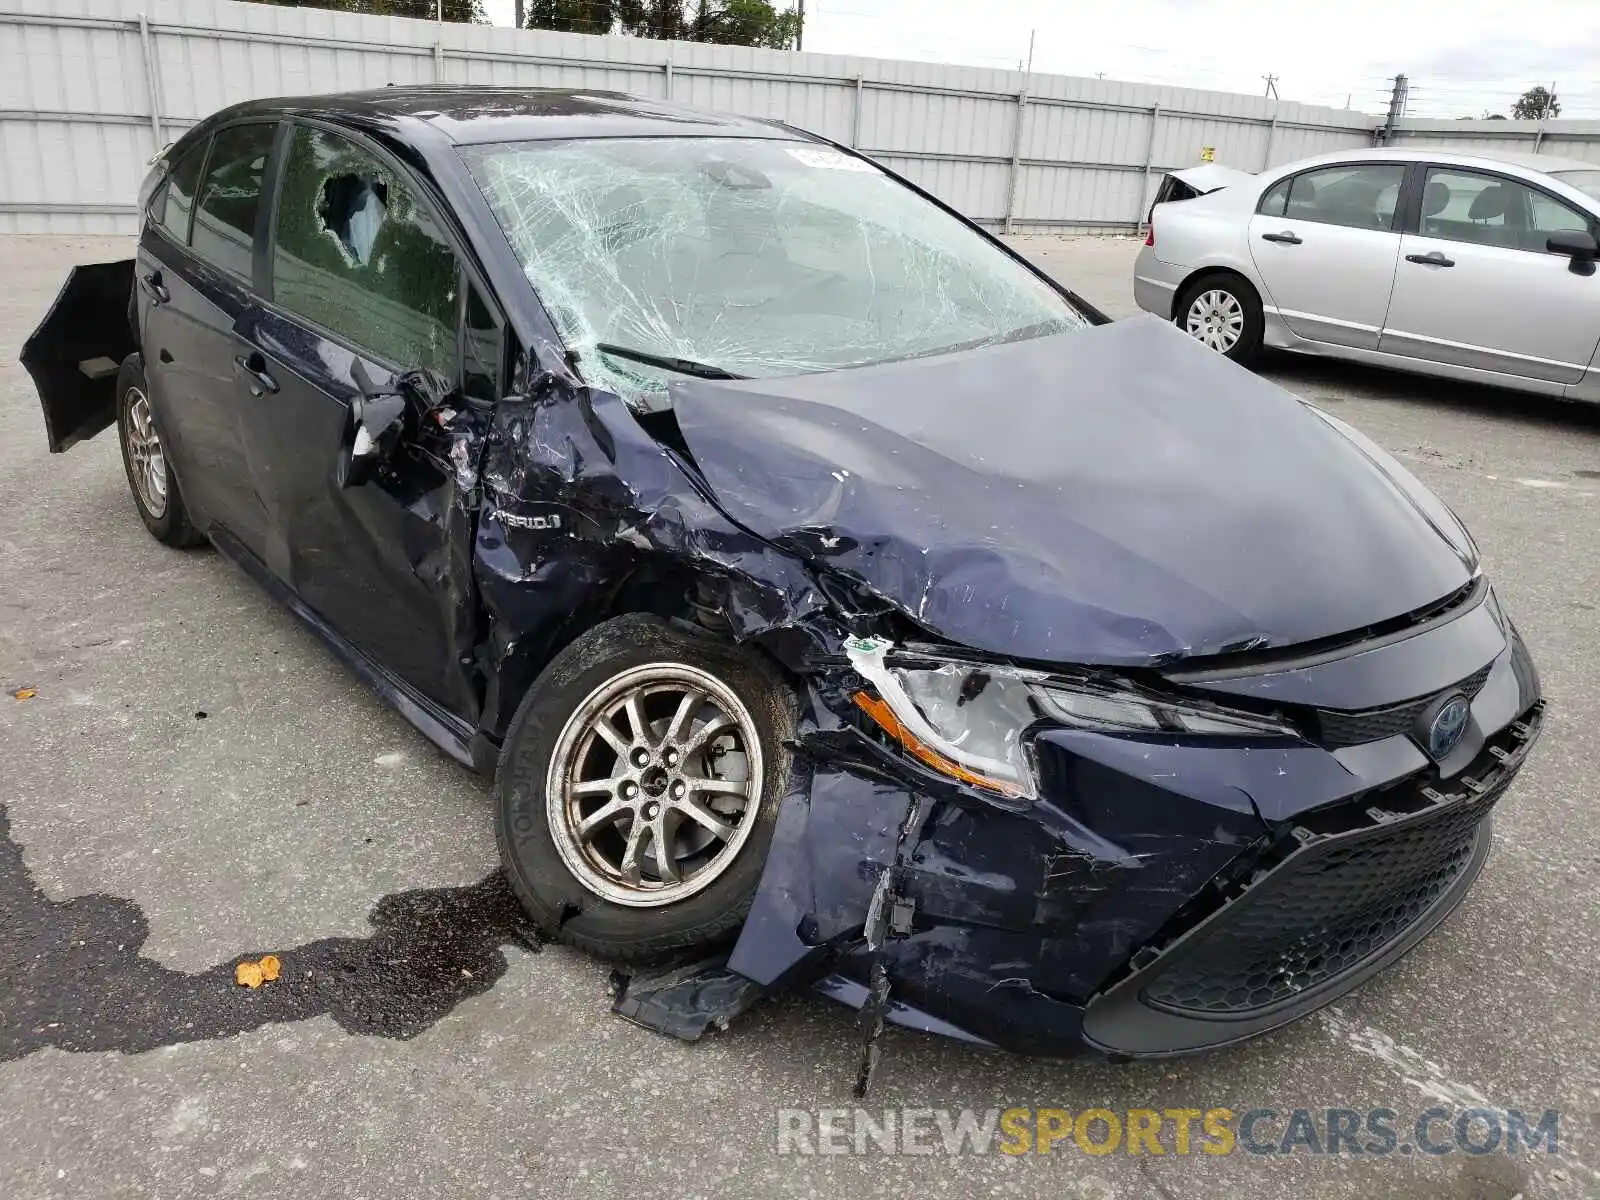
x: 1223, y: 311
x: 639, y: 787
x: 155, y: 488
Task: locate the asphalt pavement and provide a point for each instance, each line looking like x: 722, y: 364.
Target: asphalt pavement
x: 194, y: 779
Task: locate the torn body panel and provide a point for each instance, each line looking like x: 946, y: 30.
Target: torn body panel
x: 584, y: 514
x: 74, y: 354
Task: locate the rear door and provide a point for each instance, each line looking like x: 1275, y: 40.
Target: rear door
x: 363, y: 285
x: 1325, y: 244
x: 1476, y: 286
x: 195, y: 268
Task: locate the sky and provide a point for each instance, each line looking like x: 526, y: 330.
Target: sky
x: 1461, y: 56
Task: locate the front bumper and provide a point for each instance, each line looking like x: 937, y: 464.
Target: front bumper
x: 1159, y: 898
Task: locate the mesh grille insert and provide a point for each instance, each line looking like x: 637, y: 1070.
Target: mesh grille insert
x: 1340, y: 728
x: 1362, y: 876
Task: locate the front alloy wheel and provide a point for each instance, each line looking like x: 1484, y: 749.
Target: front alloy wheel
x: 639, y: 786
x: 652, y: 783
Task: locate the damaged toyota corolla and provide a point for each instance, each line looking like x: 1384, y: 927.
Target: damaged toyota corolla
x: 837, y: 600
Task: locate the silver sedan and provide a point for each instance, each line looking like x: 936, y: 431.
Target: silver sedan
x: 1463, y: 265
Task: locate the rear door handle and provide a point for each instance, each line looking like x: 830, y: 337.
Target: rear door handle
x: 1431, y: 259
x: 153, y: 285
x: 254, y: 368
x: 1286, y: 238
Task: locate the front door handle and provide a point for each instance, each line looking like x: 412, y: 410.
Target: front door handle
x: 1286, y: 238
x: 254, y: 368
x: 1431, y: 259
x: 152, y: 284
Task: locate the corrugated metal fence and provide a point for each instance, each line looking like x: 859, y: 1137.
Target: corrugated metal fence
x: 1564, y: 139
x: 90, y: 89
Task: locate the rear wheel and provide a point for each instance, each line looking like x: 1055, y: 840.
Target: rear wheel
x: 639, y: 786
x: 1222, y: 311
x: 150, y: 477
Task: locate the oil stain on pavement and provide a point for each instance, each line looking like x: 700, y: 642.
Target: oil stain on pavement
x: 71, y: 975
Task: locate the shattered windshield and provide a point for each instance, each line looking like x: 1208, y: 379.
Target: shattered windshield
x: 747, y: 257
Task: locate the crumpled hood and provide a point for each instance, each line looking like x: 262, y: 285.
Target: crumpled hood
x: 1118, y: 495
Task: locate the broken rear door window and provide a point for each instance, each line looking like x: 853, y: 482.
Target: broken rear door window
x: 177, y: 199
x: 757, y: 257
x: 356, y: 254
x: 225, y: 218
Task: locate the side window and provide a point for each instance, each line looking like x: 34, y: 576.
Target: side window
x: 230, y: 194
x: 1358, y: 195
x: 1463, y: 206
x: 1549, y: 215
x: 171, y: 209
x: 1276, y: 198
x: 481, y: 349
x: 355, y: 253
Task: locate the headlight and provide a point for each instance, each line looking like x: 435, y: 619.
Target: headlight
x: 966, y: 720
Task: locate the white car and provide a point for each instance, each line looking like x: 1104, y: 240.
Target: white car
x: 1456, y: 264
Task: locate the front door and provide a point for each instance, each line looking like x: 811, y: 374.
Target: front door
x: 1325, y: 245
x: 1476, y: 286
x: 364, y: 287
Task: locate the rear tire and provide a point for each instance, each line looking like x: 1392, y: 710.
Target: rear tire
x: 1222, y: 310
x: 150, y: 477
x: 569, y: 864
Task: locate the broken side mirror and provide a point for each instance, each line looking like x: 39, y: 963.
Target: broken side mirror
x: 381, y: 418
x: 377, y: 423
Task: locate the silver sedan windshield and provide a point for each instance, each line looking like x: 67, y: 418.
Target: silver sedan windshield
x: 747, y: 256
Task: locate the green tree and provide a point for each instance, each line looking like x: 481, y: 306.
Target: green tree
x: 571, y: 16
x: 422, y: 10
x: 1535, y: 104
x: 728, y: 22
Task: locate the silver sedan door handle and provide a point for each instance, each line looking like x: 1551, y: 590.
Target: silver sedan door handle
x: 1431, y: 259
x: 1286, y: 237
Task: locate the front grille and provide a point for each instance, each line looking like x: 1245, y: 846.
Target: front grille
x: 1356, y: 883
x: 1337, y: 727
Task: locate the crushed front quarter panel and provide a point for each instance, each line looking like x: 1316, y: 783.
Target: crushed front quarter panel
x: 1035, y: 500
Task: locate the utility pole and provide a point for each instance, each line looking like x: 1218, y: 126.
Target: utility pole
x: 1544, y: 115
x: 1397, y: 108
x: 800, y: 25
x: 522, y: 12
x: 1028, y: 70
x: 1272, y: 86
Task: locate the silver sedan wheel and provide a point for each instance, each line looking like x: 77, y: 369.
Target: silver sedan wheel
x: 654, y: 785
x: 1216, y: 318
x: 145, y: 455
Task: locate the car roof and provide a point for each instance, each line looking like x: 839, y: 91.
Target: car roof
x: 1530, y: 163
x: 467, y: 115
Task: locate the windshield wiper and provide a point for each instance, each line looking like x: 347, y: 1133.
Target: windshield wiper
x: 683, y: 366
